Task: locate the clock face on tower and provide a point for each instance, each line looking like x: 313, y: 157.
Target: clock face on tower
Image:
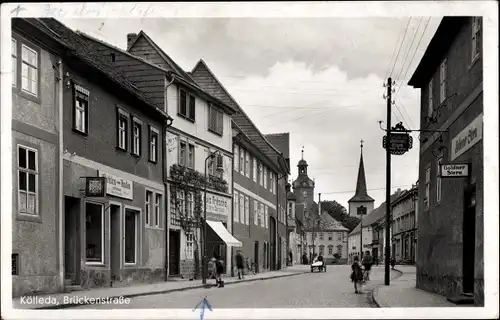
x: 304, y: 194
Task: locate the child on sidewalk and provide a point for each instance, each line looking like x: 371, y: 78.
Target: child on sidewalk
x: 356, y: 275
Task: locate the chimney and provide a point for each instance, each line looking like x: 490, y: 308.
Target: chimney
x: 130, y: 38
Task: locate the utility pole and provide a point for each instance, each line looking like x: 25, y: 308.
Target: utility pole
x: 361, y: 238
x: 388, y: 185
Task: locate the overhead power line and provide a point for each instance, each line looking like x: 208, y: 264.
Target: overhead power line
x: 350, y: 191
x: 409, y: 49
x: 400, y: 46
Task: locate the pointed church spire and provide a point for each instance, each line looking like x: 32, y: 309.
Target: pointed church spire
x: 361, y: 191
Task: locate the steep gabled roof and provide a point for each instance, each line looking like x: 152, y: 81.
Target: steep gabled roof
x: 86, y: 51
x: 280, y: 141
x: 326, y: 221
x: 169, y: 61
x: 209, y: 82
x: 361, y: 194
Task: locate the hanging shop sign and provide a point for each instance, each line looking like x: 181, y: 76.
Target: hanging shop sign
x: 118, y: 187
x: 400, y: 141
x: 454, y: 170
x: 467, y: 138
x: 95, y: 186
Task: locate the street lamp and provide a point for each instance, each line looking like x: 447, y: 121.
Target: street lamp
x: 220, y: 168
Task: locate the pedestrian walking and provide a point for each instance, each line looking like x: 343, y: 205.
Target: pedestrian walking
x: 356, y: 275
x: 304, y: 259
x: 393, y: 263
x: 219, y: 269
x: 240, y: 264
x: 367, y: 264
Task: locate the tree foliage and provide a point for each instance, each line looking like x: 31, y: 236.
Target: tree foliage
x: 339, y: 213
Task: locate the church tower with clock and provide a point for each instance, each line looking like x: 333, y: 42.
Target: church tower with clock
x: 303, y: 186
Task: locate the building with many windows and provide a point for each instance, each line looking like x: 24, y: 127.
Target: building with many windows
x: 259, y: 173
x: 197, y: 151
x: 328, y: 239
x: 450, y: 216
x: 404, y: 227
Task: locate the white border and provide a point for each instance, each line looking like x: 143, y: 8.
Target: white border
x: 488, y: 9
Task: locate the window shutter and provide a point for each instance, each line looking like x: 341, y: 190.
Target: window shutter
x: 192, y: 107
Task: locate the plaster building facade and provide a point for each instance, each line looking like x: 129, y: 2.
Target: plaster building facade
x: 329, y: 240
x: 36, y: 160
x: 111, y: 130
x: 259, y: 174
x: 404, y: 227
x: 450, y: 76
x: 201, y: 128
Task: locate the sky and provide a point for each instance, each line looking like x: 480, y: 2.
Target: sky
x: 320, y: 79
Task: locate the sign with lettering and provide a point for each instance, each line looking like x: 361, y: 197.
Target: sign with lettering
x: 454, y: 170
x: 467, y: 138
x: 217, y: 204
x: 118, y: 187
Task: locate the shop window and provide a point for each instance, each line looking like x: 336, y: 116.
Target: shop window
x: 94, y: 232
x: 131, y: 236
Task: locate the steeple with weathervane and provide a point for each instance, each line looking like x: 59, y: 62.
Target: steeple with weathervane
x: 361, y: 197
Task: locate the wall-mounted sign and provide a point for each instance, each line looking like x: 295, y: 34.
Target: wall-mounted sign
x: 467, y: 138
x: 217, y: 204
x: 118, y: 187
x: 95, y: 186
x: 454, y: 170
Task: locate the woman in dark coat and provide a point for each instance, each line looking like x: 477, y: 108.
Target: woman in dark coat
x: 357, y: 275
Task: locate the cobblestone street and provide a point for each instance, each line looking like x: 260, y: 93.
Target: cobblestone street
x: 311, y: 290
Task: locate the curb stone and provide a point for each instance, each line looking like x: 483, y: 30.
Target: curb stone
x: 133, y: 295
x: 375, y: 289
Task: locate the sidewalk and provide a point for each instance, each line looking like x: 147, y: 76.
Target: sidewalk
x: 67, y: 300
x: 402, y: 293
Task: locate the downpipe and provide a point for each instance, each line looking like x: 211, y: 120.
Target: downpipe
x: 167, y: 125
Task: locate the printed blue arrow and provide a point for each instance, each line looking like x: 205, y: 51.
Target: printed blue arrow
x: 202, y: 305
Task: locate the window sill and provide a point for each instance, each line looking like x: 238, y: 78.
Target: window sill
x: 120, y: 149
x: 186, y: 117
x: 26, y: 95
x: 153, y: 228
x: 215, y: 132
x: 130, y: 265
x: 29, y: 217
x: 135, y: 155
x: 82, y: 133
x: 95, y: 264
x: 153, y: 161
x: 474, y: 61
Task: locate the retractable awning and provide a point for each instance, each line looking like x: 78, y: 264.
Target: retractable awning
x: 222, y: 232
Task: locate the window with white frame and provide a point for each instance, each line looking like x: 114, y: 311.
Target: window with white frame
x: 256, y: 220
x: 254, y: 169
x: 321, y: 236
x: 265, y: 177
x: 236, y: 213
x: 330, y: 236
x: 261, y: 214
x: 215, y: 120
x: 242, y: 208
x: 186, y: 108
x: 242, y: 161
x: 153, y: 144
x: 27, y: 168
x: 80, y: 108
x: 14, y: 62
x: 271, y: 181
x: 158, y: 198
x: 438, y: 179
x: 122, y: 131
x: 330, y: 249
x: 430, y: 106
x: 442, y: 80
x: 190, y: 205
x: 266, y: 216
x: 247, y: 164
x: 189, y: 246
x: 182, y: 152
x: 259, y: 169
x: 149, y: 204
x: 476, y: 37
x: 181, y: 202
x: 427, y: 187
x: 131, y: 236
x: 190, y: 156
x: 29, y: 69
x: 236, y: 158
x: 247, y: 210
x: 94, y: 232
x: 136, y: 136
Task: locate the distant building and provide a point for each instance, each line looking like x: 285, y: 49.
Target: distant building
x: 328, y: 239
x: 450, y: 257
x: 361, y: 199
x: 404, y: 227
